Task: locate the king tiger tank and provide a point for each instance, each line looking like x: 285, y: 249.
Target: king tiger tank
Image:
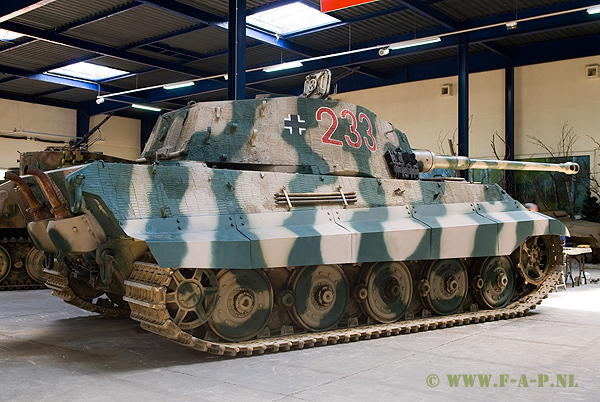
x: 21, y: 263
x: 288, y: 222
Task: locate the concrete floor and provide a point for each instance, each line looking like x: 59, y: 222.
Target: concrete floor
x: 52, y: 351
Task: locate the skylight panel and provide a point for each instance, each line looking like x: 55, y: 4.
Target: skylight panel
x: 6, y: 35
x: 88, y: 71
x: 291, y: 18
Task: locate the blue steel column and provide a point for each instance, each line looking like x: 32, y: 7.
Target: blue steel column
x: 236, y: 62
x: 463, y: 100
x: 509, y: 124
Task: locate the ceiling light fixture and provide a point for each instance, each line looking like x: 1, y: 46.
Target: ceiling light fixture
x: 593, y: 10
x: 144, y: 107
x: 283, y: 66
x: 414, y: 42
x: 179, y: 85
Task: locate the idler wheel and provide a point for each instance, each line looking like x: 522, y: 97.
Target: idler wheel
x: 244, y: 304
x: 496, y: 275
x: 5, y: 263
x: 448, y: 286
x: 192, y: 297
x: 389, y: 291
x: 34, y: 264
x: 534, y: 259
x: 321, y: 296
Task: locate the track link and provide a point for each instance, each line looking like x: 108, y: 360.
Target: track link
x: 146, y: 293
x: 59, y: 283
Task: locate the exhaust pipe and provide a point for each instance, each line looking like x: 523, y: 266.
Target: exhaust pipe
x: 59, y: 209
x: 35, y: 207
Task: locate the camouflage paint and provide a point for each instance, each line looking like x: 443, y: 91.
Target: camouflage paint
x: 193, y: 215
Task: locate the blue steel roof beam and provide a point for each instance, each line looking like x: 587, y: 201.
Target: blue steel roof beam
x: 486, y: 35
x: 569, y: 48
x: 168, y: 35
x: 100, y: 49
x: 93, y: 18
x: 80, y: 59
x: 498, y: 49
x: 302, y: 50
x: 69, y: 82
x: 346, y: 61
x: 185, y: 11
x: 489, y: 34
x: 172, y: 51
x: 535, y: 26
x: 486, y: 61
x: 429, y: 12
x: 352, y: 20
x: 534, y: 12
x: 92, y: 57
x: 216, y: 21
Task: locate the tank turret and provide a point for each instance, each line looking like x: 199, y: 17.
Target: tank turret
x: 261, y: 225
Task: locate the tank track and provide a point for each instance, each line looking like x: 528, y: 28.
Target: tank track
x: 59, y: 283
x: 18, y: 278
x: 146, y: 294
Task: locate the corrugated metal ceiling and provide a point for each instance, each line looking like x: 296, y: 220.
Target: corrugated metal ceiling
x: 157, y: 40
x: 62, y: 12
x: 39, y: 55
x: 132, y: 26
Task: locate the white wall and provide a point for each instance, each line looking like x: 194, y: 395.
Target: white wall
x: 122, y: 135
x: 32, y: 121
x: 551, y: 94
x: 546, y: 96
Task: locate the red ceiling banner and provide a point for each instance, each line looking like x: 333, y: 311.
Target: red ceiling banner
x: 331, y: 5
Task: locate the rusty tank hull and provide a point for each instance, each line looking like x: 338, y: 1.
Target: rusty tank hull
x: 270, y: 224
x: 21, y: 263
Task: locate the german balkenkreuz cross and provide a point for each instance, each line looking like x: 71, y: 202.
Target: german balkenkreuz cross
x: 295, y: 124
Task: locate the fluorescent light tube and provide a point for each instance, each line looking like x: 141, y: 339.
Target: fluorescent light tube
x: 179, y: 85
x: 593, y: 10
x: 282, y: 66
x: 414, y: 42
x: 144, y: 107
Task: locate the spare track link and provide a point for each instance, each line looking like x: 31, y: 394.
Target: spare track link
x: 7, y: 283
x: 59, y: 284
x: 146, y: 294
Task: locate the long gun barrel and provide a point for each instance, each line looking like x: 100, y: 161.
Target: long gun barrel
x: 428, y: 161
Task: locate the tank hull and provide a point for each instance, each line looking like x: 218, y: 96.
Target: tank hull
x: 192, y: 216
x: 157, y: 231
